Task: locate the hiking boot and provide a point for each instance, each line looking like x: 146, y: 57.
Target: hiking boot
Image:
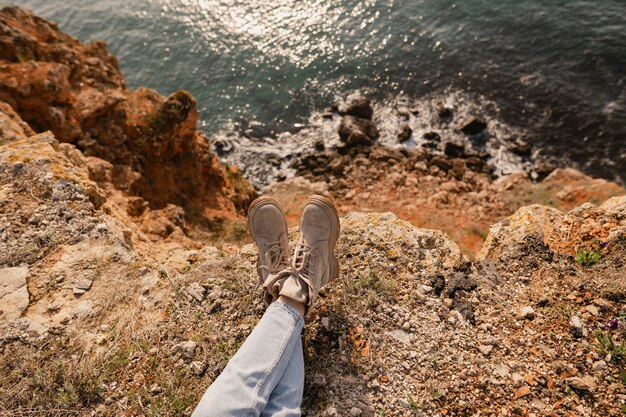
x: 268, y: 228
x: 314, y: 263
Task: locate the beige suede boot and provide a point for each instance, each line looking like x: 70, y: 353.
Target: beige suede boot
x: 268, y: 228
x: 314, y: 263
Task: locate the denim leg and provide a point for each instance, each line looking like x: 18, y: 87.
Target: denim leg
x: 286, y: 398
x: 246, y: 384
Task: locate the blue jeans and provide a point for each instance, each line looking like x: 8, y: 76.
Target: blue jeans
x: 266, y: 375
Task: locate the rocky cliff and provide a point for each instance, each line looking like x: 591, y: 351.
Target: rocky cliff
x: 141, y: 147
x: 110, y: 304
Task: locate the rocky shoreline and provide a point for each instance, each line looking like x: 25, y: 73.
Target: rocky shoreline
x: 127, y: 279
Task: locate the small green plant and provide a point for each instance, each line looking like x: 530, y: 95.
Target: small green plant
x: 622, y: 375
x: 587, y: 256
x: 120, y: 359
x: 374, y: 281
x: 434, y: 394
x: 607, y: 346
x: 414, y: 405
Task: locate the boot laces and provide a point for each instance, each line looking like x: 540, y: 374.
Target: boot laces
x: 275, y: 259
x: 302, y: 260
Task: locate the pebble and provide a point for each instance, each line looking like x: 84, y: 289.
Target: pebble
x: 603, y: 304
x: 585, y: 383
x: 198, y: 367
x: 591, y: 309
x: 521, y: 391
x: 576, y: 327
x: 485, y: 349
x: 400, y: 336
x: 526, y: 313
x: 196, y: 291
x: 82, y: 286
x: 404, y: 403
x: 518, y: 380
x: 326, y: 323
x: 187, y: 349
x: 331, y: 411
x: 599, y: 366
x: 501, y: 370
x: 83, y: 309
x: 427, y: 289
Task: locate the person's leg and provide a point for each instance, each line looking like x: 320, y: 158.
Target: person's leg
x: 246, y: 384
x: 286, y: 398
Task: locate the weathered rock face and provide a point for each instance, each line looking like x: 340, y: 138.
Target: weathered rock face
x: 77, y: 91
x: 538, y: 231
x: 13, y: 292
x: 46, y: 197
x: 430, y: 250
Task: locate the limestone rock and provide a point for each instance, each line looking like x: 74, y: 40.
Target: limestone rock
x: 187, y: 349
x: 585, y: 383
x: 13, y: 292
x: 430, y: 249
x: 198, y: 367
x: 526, y: 313
x: 521, y: 234
x: 196, y: 291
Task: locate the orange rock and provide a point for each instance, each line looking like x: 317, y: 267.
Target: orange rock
x: 383, y: 378
x: 530, y: 379
x: 521, y: 391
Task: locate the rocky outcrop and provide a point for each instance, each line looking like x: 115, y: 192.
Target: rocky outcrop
x: 77, y: 91
x: 540, y: 231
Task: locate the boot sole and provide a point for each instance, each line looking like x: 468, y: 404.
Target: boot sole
x: 330, y: 209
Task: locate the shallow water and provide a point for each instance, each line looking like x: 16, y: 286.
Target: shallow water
x: 555, y: 72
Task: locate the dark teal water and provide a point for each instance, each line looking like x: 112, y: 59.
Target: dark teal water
x: 555, y: 69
